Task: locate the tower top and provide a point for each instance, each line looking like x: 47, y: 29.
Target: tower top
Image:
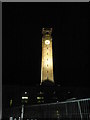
x: 46, y: 31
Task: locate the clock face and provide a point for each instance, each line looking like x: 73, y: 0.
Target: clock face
x: 47, y: 42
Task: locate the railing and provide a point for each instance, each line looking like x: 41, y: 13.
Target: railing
x: 68, y: 110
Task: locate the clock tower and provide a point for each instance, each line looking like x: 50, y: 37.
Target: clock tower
x: 47, y: 56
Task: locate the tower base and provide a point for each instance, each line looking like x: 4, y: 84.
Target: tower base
x: 47, y: 83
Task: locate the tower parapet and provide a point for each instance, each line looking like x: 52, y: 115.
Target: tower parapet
x: 46, y: 31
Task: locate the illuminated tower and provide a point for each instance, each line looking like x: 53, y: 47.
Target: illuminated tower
x: 47, y: 56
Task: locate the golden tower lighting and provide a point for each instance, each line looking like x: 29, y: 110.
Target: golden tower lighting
x: 47, y: 56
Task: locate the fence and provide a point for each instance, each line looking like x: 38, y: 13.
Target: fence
x: 68, y: 110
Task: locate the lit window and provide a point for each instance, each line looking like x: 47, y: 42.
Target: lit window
x: 40, y: 98
x: 24, y: 97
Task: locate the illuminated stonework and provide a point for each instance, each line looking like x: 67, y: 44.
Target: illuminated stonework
x: 47, y: 56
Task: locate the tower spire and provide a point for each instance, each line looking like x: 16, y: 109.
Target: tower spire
x: 47, y: 56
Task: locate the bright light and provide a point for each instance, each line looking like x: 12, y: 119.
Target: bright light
x: 24, y: 97
x: 47, y: 42
x: 40, y: 98
x: 25, y: 92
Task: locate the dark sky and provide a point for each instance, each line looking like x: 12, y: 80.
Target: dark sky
x: 22, y: 38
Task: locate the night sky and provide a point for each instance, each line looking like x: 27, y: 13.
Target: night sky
x: 22, y: 40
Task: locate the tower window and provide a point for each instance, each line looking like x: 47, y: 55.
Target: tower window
x: 47, y: 59
x: 47, y: 71
x: 47, y: 53
x: 47, y: 65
